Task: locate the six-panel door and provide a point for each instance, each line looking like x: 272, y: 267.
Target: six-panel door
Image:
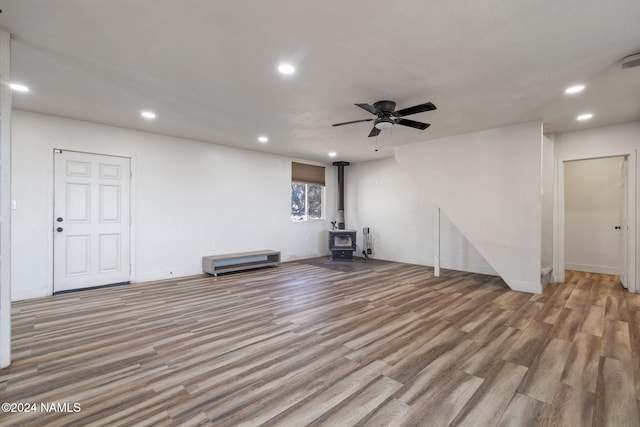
x: 91, y: 220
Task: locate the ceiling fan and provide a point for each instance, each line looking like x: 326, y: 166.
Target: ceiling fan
x: 387, y: 117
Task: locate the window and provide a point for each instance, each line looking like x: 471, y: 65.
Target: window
x: 306, y: 201
x: 307, y: 192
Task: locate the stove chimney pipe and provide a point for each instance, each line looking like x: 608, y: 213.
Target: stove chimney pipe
x: 340, y: 219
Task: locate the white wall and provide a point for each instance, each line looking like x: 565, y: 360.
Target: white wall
x: 383, y: 196
x: 599, y: 142
x: 592, y: 209
x: 5, y: 199
x: 489, y: 184
x: 185, y: 205
x: 619, y: 140
x: 189, y: 199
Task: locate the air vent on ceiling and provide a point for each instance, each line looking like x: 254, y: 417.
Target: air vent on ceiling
x: 631, y: 60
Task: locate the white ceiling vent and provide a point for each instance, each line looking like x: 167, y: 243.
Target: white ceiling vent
x: 631, y: 61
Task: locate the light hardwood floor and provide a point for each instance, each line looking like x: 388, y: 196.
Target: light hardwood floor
x: 306, y: 345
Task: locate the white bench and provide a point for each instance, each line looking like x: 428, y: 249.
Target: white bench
x: 225, y: 263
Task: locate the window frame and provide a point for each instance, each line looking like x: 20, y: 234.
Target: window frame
x: 308, y: 175
x: 306, y: 203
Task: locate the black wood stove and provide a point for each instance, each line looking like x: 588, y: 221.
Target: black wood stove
x: 342, y: 242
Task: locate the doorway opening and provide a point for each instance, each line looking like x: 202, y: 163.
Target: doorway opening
x: 593, y: 229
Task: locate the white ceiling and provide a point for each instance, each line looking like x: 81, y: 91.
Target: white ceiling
x: 208, y: 68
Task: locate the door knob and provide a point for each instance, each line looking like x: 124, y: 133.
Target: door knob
x: 617, y: 227
x: 59, y: 229
x: 59, y: 219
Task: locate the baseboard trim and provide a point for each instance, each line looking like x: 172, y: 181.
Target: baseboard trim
x: 600, y: 269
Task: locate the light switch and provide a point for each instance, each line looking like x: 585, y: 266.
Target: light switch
x: 14, y: 205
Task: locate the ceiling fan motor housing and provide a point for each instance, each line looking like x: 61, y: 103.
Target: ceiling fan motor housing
x: 385, y: 114
x: 385, y: 107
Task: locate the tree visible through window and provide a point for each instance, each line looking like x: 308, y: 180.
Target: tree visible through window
x: 306, y: 201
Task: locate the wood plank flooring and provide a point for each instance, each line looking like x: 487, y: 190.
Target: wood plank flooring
x: 305, y: 345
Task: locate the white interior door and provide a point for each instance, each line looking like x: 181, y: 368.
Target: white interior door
x: 592, y: 210
x: 91, y: 223
x: 624, y: 224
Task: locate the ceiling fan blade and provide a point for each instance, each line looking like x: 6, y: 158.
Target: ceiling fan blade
x: 353, y: 121
x: 374, y: 132
x: 369, y: 108
x: 415, y: 109
x: 412, y: 124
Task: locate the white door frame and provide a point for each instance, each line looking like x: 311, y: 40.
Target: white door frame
x: 132, y: 207
x: 623, y: 242
x: 559, y: 219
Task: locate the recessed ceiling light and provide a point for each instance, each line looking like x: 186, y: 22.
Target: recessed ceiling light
x: 148, y: 114
x: 286, y: 68
x: 333, y: 154
x: 574, y: 89
x: 585, y: 116
x: 18, y: 87
x: 263, y: 139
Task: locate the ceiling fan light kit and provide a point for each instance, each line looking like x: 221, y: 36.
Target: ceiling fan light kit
x: 387, y: 116
x: 383, y: 124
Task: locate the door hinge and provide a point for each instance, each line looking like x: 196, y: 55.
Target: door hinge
x: 57, y: 151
